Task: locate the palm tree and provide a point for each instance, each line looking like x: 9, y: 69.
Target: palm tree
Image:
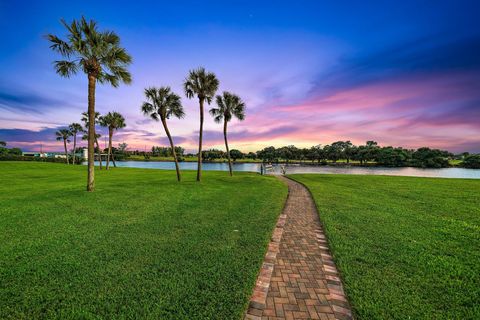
x: 228, y: 105
x: 64, y: 134
x: 75, y: 128
x: 113, y: 121
x: 99, y: 55
x: 163, y: 103
x: 97, y: 135
x: 202, y: 84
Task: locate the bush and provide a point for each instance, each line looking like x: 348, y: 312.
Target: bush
x: 430, y: 158
x: 472, y: 161
x: 11, y: 157
x: 393, y: 157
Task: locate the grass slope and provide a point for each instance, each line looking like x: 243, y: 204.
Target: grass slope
x: 407, y: 248
x: 140, y: 246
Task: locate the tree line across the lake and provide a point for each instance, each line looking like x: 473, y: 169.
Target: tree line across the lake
x: 337, y: 152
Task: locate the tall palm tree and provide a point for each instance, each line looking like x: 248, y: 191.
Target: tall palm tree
x: 113, y: 121
x: 64, y: 134
x: 97, y: 135
x: 99, y: 55
x: 202, y: 84
x: 228, y: 105
x: 75, y: 128
x: 160, y: 105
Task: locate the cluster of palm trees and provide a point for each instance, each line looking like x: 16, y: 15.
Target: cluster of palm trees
x: 161, y: 104
x: 112, y: 121
x: 99, y: 55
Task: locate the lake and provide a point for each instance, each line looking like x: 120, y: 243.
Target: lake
x: 255, y: 167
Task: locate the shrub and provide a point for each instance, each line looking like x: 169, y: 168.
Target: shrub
x: 472, y: 161
x: 12, y: 157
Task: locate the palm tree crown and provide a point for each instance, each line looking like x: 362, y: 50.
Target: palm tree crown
x: 85, y: 118
x: 201, y: 83
x: 228, y: 105
x: 96, y: 53
x: 162, y: 104
x: 63, y: 134
x: 85, y: 121
x: 75, y: 128
x: 113, y: 120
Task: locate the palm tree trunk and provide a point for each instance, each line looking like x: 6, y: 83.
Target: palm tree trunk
x: 200, y: 137
x: 226, y: 145
x: 66, y: 152
x: 110, y: 134
x: 99, y: 153
x: 74, y: 146
x: 164, y: 122
x: 91, y: 133
x: 113, y: 160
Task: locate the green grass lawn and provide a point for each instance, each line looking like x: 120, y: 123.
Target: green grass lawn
x: 140, y: 246
x: 407, y: 248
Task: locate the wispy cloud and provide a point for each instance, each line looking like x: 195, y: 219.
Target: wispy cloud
x: 22, y: 102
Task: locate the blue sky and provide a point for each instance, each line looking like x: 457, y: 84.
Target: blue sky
x: 311, y: 72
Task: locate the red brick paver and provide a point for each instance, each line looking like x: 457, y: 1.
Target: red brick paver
x: 298, y: 279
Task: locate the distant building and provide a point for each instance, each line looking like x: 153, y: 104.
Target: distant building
x: 83, y: 154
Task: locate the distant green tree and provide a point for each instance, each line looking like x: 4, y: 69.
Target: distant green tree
x: 64, y: 134
x: 251, y: 155
x: 335, y: 151
x: 99, y: 55
x: 316, y: 153
x: 113, y: 121
x: 366, y: 153
x: 3, y: 149
x: 122, y: 147
x: 203, y: 85
x: 12, y: 151
x: 472, y: 161
x: 393, y: 157
x: 288, y: 153
x: 430, y: 158
x: 212, y: 154
x: 268, y: 154
x: 349, y: 150
x: 236, y: 154
x: 15, y: 151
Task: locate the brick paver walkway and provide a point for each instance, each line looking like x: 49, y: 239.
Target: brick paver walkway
x: 298, y: 279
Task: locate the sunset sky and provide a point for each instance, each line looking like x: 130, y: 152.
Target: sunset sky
x: 403, y: 73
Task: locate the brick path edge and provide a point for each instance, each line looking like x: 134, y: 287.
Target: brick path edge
x: 332, y: 303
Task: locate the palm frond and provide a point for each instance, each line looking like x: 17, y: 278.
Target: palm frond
x: 65, y: 68
x: 59, y: 45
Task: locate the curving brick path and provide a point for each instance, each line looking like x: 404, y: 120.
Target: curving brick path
x: 298, y: 279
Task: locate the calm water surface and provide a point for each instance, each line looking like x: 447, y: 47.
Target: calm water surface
x: 255, y: 167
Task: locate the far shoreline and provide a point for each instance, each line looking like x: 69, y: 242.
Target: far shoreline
x: 332, y: 164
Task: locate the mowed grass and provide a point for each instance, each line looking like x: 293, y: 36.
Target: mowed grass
x: 142, y: 246
x: 407, y: 248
